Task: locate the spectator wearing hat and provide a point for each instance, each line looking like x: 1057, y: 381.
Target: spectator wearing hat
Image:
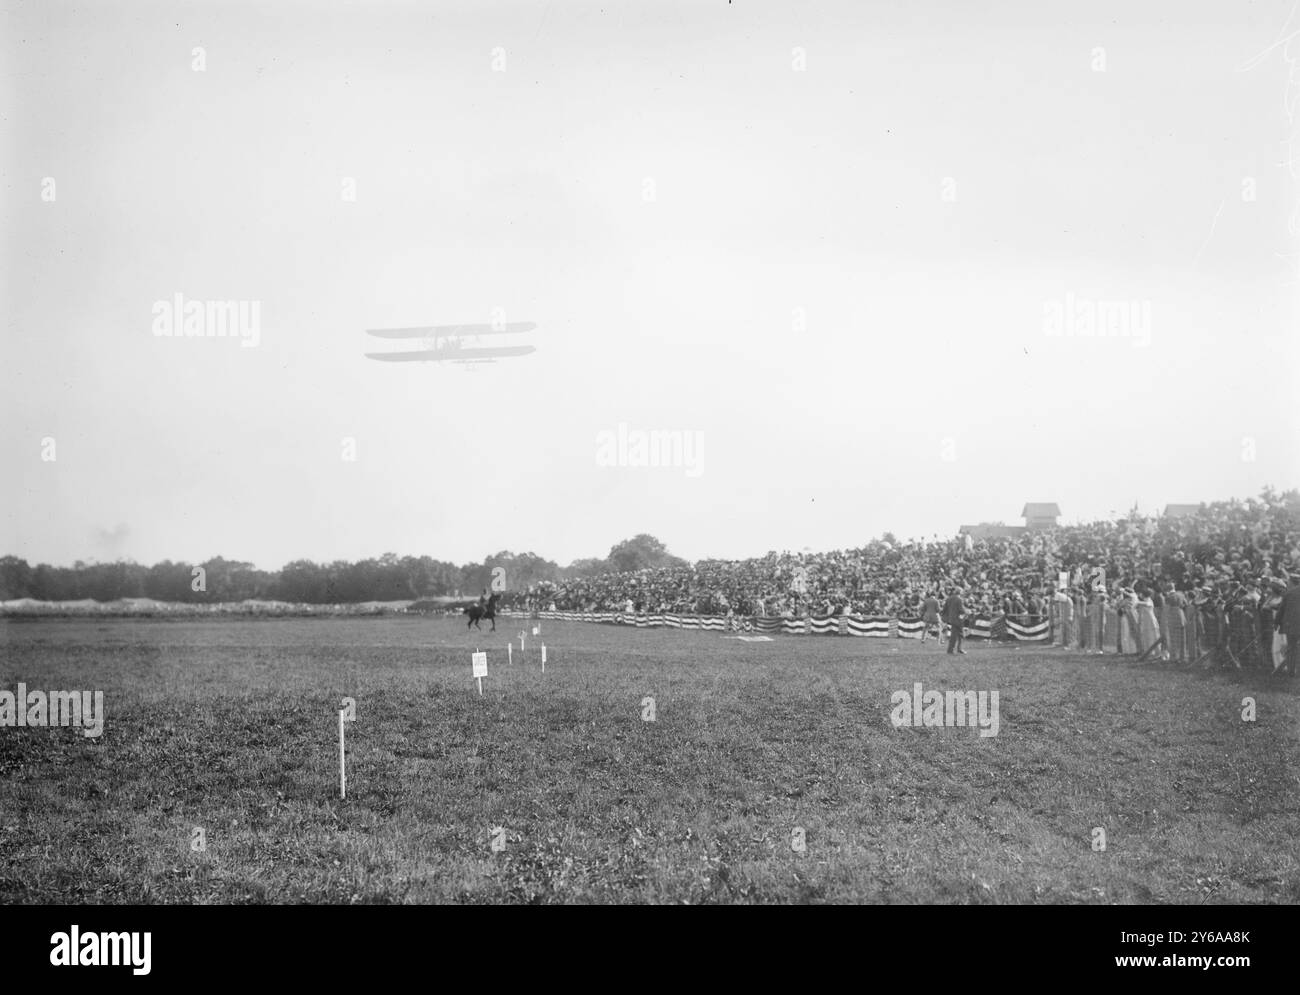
x: 1200, y: 621
x: 954, y: 613
x: 1080, y: 600
x: 1096, y: 638
x: 1148, y: 629
x: 1288, y: 623
x: 1174, y: 619
x: 1064, y: 606
x: 930, y: 617
x: 1273, y: 643
x: 1126, y: 630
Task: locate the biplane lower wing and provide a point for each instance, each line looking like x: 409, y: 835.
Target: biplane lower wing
x: 452, y: 355
x: 451, y: 331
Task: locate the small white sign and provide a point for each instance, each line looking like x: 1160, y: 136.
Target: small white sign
x: 537, y: 630
x: 480, y: 664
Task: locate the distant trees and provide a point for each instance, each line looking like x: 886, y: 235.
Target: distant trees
x: 15, y: 578
x: 511, y: 571
x: 388, y: 578
x: 303, y: 580
x: 642, y: 552
x: 55, y: 583
x: 222, y: 580
x: 581, y: 569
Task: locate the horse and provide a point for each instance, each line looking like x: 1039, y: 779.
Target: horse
x: 489, y: 612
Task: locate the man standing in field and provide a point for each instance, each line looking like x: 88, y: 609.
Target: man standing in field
x: 930, y: 616
x: 954, y: 611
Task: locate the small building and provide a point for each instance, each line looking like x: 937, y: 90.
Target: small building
x: 1041, y: 516
x: 1181, y: 510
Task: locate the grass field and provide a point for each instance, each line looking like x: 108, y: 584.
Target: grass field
x: 231, y: 726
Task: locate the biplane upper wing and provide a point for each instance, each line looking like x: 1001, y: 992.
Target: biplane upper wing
x: 451, y: 331
x: 452, y: 355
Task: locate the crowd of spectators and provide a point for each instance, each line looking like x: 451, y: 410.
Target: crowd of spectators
x: 1240, y: 549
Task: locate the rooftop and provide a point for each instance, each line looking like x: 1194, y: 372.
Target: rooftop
x: 1051, y: 510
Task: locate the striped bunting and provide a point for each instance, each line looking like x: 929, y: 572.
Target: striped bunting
x: 868, y: 626
x: 910, y: 628
x: 1030, y: 629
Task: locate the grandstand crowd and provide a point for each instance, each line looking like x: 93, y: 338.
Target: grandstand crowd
x: 1220, y: 561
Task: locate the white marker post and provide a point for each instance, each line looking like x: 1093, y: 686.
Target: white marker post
x: 543, y: 658
x: 510, y: 652
x: 343, y: 765
x: 479, y: 660
x: 346, y: 714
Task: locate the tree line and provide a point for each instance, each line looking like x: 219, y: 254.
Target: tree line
x: 387, y: 578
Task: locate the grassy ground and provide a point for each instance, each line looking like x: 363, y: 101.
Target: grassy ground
x: 231, y: 726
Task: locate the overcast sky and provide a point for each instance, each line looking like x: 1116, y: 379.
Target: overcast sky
x: 827, y: 240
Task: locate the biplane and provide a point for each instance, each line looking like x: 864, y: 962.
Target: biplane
x: 447, y: 343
